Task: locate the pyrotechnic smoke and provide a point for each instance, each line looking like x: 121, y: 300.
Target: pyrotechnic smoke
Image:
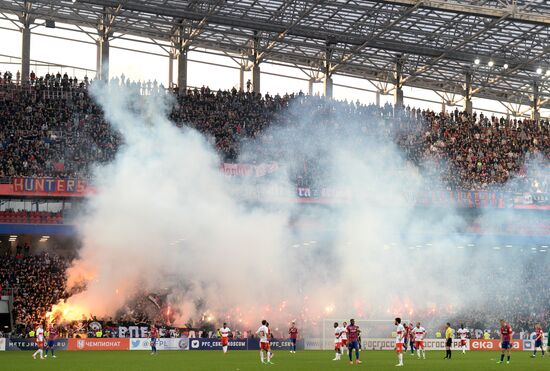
x: 165, y: 219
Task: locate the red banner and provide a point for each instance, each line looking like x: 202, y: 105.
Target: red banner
x: 47, y: 187
x: 99, y: 344
x: 480, y: 344
x: 249, y: 170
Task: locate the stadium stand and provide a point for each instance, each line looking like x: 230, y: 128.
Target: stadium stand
x: 53, y: 128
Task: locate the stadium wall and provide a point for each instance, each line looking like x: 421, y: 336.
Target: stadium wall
x: 74, y: 344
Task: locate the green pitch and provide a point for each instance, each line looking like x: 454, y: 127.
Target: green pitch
x: 249, y: 360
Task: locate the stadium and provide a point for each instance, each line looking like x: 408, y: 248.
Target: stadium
x: 293, y: 184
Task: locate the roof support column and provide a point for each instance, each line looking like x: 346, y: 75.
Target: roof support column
x: 468, y: 108
x: 256, y: 74
x: 182, y: 69
x: 310, y: 83
x: 535, y: 106
x: 377, y: 98
x: 25, y: 53
x: 102, y: 60
x: 180, y: 49
x: 241, y: 77
x: 328, y: 72
x: 171, y: 57
x: 26, y: 22
x: 398, y: 95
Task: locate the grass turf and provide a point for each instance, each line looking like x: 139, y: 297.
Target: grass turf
x: 249, y: 360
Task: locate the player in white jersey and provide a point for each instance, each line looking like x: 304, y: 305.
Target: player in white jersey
x: 337, y: 341
x: 39, y: 342
x: 225, y: 331
x: 419, y: 334
x: 344, y: 337
x: 463, y: 333
x: 263, y: 332
x: 399, y: 340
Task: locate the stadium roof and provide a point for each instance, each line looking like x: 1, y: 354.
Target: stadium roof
x: 439, y: 40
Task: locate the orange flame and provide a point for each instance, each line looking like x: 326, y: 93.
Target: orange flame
x: 66, y: 312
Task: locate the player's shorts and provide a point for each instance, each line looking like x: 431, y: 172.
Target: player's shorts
x: 264, y: 345
x: 40, y: 344
x: 399, y: 347
x: 449, y: 342
x: 337, y: 345
x: 293, y: 340
x: 225, y: 341
x: 505, y: 345
x: 153, y: 342
x: 462, y: 342
x: 353, y: 344
x: 344, y: 342
x: 51, y: 343
x: 538, y: 343
x: 419, y: 344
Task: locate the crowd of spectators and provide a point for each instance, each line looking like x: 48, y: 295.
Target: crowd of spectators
x: 63, y: 135
x: 37, y: 281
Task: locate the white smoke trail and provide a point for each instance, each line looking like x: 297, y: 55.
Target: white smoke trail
x: 164, y: 217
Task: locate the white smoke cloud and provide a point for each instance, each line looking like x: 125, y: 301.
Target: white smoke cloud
x: 164, y: 217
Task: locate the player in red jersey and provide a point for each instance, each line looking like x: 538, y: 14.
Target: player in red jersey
x: 410, y: 336
x: 269, y: 338
x: 153, y: 337
x: 539, y: 336
x: 293, y: 333
x: 505, y: 340
x: 353, y: 337
x: 39, y: 342
x: 52, y: 336
x: 225, y: 331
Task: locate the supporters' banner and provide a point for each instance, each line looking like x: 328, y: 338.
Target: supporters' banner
x: 30, y: 344
x: 216, y: 344
x: 47, y: 187
x: 532, y: 200
x: 2, y: 344
x: 429, y: 344
x: 465, y: 199
x: 162, y: 344
x: 481, y: 344
x: 99, y: 344
x: 249, y: 170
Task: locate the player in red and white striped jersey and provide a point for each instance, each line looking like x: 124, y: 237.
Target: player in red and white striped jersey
x: 399, y: 341
x: 419, y: 334
x: 337, y: 341
x: 225, y: 331
x: 39, y: 342
x: 263, y: 332
x: 463, y: 333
